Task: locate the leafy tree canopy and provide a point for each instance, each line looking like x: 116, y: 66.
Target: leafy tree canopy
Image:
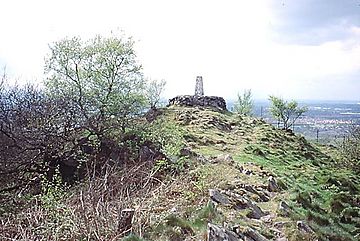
x: 244, y: 103
x: 101, y: 76
x: 154, y: 90
x: 286, y: 113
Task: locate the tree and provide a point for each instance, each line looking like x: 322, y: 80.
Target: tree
x: 286, y: 113
x: 154, y: 91
x: 350, y: 147
x: 244, y: 103
x: 101, y: 77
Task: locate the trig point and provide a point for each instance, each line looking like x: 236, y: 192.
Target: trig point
x: 199, y: 100
x: 199, y: 88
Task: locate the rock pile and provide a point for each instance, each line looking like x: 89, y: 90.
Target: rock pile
x: 239, y: 195
x: 215, y: 102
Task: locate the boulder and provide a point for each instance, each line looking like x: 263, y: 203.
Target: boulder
x: 216, y: 233
x: 302, y: 226
x: 284, y: 209
x: 264, y: 197
x: 224, y: 158
x: 251, y: 233
x: 256, y: 211
x: 241, y: 202
x: 272, y: 185
x: 217, y: 197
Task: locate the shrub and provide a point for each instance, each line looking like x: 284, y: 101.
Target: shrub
x: 286, y: 113
x: 244, y: 103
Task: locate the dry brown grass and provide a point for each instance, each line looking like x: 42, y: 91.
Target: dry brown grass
x: 91, y: 210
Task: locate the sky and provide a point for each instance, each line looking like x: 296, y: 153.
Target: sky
x: 296, y: 49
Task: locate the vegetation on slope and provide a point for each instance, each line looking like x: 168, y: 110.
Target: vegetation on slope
x: 316, y: 184
x: 232, y: 155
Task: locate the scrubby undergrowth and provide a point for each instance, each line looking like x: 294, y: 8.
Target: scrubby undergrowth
x: 315, y: 195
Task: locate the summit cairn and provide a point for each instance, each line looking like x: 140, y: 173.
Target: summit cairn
x: 199, y: 100
x: 199, y: 88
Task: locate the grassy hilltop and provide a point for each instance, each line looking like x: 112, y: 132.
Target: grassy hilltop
x: 243, y: 152
x: 226, y: 173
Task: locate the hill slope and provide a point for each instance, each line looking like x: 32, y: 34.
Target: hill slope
x: 261, y: 179
x: 225, y: 177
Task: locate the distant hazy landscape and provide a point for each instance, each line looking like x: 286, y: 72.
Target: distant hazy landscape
x: 332, y: 119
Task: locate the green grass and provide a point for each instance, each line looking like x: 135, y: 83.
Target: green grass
x: 316, y: 179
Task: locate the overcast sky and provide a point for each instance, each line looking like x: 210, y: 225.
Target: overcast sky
x: 297, y: 49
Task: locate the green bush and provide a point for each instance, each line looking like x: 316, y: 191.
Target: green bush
x: 244, y: 104
x: 286, y: 113
x: 170, y: 139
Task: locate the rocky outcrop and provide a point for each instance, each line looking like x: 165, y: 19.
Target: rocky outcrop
x: 237, y: 202
x: 304, y: 227
x: 284, y: 209
x: 215, y: 102
x: 216, y: 196
x: 272, y: 185
x: 216, y: 233
x: 254, y: 235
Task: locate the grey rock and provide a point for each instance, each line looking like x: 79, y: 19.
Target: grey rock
x: 225, y: 158
x: 250, y: 188
x: 262, y: 195
x: 216, y: 233
x: 248, y: 239
x: 215, y: 102
x: 281, y: 239
x: 284, y: 209
x: 272, y: 185
x: 251, y: 233
x: 281, y: 224
x: 216, y: 196
x: 302, y: 226
x: 241, y: 202
x: 256, y: 211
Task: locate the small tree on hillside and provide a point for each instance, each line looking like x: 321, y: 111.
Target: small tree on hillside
x: 286, y: 113
x: 154, y: 91
x: 244, y: 103
x: 351, y: 147
x: 101, y: 77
